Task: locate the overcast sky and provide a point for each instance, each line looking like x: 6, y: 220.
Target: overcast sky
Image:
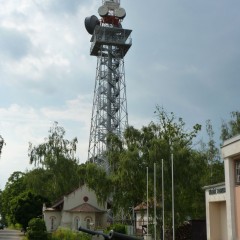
x: 185, y: 57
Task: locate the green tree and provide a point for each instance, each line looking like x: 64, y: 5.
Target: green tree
x: 56, y: 156
x: 128, y: 159
x: 1, y: 220
x: 215, y: 167
x: 232, y: 127
x: 39, y: 181
x: 97, y: 179
x: 14, y: 186
x: 26, y: 206
x: 37, y: 229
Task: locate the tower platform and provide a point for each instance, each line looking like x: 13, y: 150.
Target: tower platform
x: 111, y: 36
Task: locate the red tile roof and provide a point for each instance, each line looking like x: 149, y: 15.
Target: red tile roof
x: 85, y: 207
x: 140, y: 207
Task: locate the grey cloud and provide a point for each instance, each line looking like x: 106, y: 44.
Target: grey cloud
x: 13, y: 43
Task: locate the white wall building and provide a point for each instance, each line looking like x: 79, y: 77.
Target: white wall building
x: 223, y: 199
x: 141, y: 218
x: 78, y: 208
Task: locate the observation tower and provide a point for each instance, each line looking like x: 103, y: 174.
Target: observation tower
x: 110, y: 43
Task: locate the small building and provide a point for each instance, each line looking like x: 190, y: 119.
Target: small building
x: 78, y: 208
x: 141, y: 218
x: 223, y: 199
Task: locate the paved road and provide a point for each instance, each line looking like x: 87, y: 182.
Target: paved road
x: 8, y: 234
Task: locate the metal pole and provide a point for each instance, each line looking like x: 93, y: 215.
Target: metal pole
x: 155, y: 221
x: 173, y: 221
x: 163, y: 202
x: 133, y: 216
x: 147, y: 201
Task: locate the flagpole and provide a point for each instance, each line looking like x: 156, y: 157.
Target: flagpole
x: 163, y: 201
x: 173, y: 221
x: 155, y: 220
x: 147, y: 202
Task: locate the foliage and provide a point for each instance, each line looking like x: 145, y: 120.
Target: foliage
x: 118, y: 227
x: 14, y: 186
x: 1, y: 207
x: 215, y: 167
x: 128, y: 159
x: 24, y: 207
x: 102, y: 186
x: 56, y: 162
x: 67, y: 234
x: 37, y: 229
x: 82, y: 173
x: 39, y: 182
x: 232, y: 127
x: 124, y: 185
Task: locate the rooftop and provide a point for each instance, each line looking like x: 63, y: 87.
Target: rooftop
x: 231, y: 140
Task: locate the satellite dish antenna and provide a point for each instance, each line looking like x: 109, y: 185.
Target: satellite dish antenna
x: 103, y: 11
x: 90, y: 23
x: 120, y: 13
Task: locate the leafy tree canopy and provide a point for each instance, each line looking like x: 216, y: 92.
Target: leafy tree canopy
x: 232, y: 127
x: 57, y: 171
x: 14, y: 186
x: 26, y: 206
x: 125, y: 184
x: 55, y: 147
x: 211, y: 153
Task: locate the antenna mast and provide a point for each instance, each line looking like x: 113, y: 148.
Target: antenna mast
x: 109, y: 43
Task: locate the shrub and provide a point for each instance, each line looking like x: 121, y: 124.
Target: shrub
x: 67, y: 234
x: 37, y: 229
x: 118, y: 227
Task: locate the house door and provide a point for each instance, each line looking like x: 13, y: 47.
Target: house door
x: 88, y: 223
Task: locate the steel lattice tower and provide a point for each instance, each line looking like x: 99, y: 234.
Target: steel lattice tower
x: 109, y: 43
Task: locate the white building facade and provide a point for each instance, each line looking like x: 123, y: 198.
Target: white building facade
x: 78, y: 208
x: 223, y: 199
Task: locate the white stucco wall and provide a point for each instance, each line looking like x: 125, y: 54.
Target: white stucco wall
x: 230, y: 150
x: 230, y: 199
x: 75, y: 199
x: 218, y: 229
x: 141, y: 218
x: 231, y: 147
x: 215, y: 199
x: 48, y: 216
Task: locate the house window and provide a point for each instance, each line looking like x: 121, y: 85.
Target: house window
x: 237, y: 169
x: 76, y: 223
x: 52, y: 220
x: 88, y: 223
